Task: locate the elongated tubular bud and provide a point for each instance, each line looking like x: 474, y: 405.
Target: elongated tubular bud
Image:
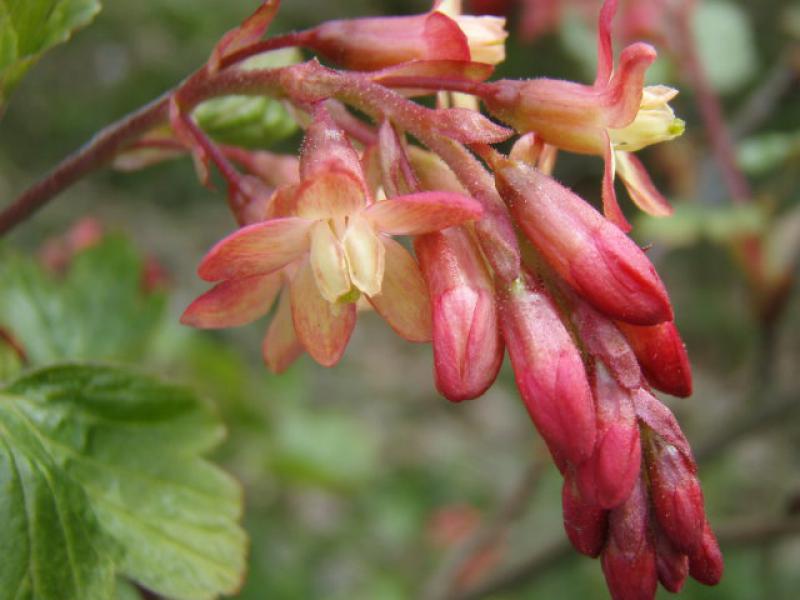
x: 550, y: 374
x: 467, y: 347
x: 585, y: 523
x: 373, y: 43
x: 676, y: 494
x: 662, y: 356
x: 672, y: 565
x: 590, y: 253
x: 609, y: 475
x: 705, y: 563
x: 628, y: 560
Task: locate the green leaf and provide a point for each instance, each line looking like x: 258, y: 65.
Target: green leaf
x: 250, y: 121
x: 98, y: 311
x: 30, y: 27
x: 103, y: 473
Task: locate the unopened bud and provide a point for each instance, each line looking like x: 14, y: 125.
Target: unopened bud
x: 592, y: 254
x: 662, y: 356
x: 585, y: 523
x: 705, y: 563
x: 548, y: 368
x: 676, y: 494
x: 672, y: 564
x: 629, y: 561
x: 467, y: 348
x: 609, y: 475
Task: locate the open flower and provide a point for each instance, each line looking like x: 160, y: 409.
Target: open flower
x: 335, y: 244
x: 615, y: 115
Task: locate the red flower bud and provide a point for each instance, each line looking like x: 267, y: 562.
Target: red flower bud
x: 609, y: 475
x: 662, y: 356
x: 676, y: 494
x: 672, y: 565
x: 373, y: 43
x: 629, y: 561
x: 548, y: 368
x: 585, y: 523
x: 467, y: 348
x: 705, y: 563
x: 590, y: 253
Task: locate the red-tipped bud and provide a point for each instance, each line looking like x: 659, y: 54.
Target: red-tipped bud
x: 369, y: 44
x: 608, y: 477
x: 671, y: 564
x: 629, y: 561
x: 548, y: 368
x: 592, y: 254
x: 662, y: 356
x: 603, y: 340
x: 676, y: 494
x: 467, y: 348
x: 705, y: 563
x: 585, y: 523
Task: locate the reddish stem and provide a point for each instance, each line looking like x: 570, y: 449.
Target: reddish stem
x: 711, y: 110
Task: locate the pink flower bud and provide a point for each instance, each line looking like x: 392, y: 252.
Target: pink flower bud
x: 373, y: 43
x: 672, y: 565
x: 705, y: 563
x: 467, y: 348
x: 629, y: 561
x: 593, y: 255
x: 548, y: 368
x: 585, y: 523
x: 662, y: 356
x: 609, y: 475
x: 676, y: 494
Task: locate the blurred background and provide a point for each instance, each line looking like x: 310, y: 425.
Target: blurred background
x: 360, y: 481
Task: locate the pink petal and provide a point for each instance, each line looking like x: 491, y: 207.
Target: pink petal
x: 610, y: 206
x: 322, y: 328
x: 256, y: 249
x: 639, y: 185
x: 605, y: 56
x: 331, y: 194
x: 624, y: 93
x: 403, y: 300
x: 234, y: 302
x: 247, y: 33
x: 281, y: 346
x: 424, y: 212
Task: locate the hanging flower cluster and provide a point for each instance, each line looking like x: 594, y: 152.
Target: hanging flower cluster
x: 505, y: 257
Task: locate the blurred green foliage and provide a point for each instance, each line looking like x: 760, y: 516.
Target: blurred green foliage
x: 345, y: 470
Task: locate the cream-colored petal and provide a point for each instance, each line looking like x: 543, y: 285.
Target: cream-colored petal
x: 365, y: 255
x: 328, y: 262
